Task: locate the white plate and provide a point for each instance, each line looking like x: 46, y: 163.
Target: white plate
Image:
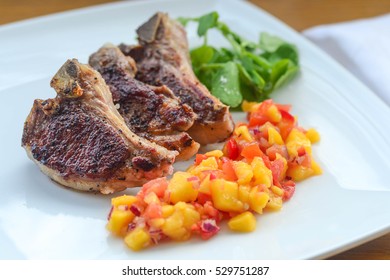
x: 347, y: 205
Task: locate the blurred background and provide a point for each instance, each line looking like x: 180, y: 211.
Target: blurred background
x: 299, y: 14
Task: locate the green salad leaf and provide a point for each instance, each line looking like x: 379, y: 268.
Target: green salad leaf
x: 246, y: 70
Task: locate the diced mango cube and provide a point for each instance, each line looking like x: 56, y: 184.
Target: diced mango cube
x: 243, y: 133
x: 276, y: 190
x: 205, y: 185
x: 261, y: 173
x: 275, y: 203
x: 316, y: 168
x: 214, y: 153
x: 137, y: 239
x: 243, y: 193
x: 181, y: 189
x: 167, y: 210
x: 249, y: 106
x: 206, y: 164
x: 295, y: 140
x: 299, y: 172
x: 244, y: 222
x: 177, y: 225
x: 225, y: 196
x: 243, y: 172
x: 313, y: 135
x: 123, y: 200
x: 119, y: 221
x: 151, y: 198
x: 190, y: 215
x: 258, y: 200
x: 173, y: 227
x: 274, y: 137
x: 273, y: 114
x: 156, y: 223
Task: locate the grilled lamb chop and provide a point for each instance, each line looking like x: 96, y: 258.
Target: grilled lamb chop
x: 79, y: 139
x: 163, y: 59
x: 151, y: 112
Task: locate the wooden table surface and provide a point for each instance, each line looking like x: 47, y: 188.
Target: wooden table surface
x: 299, y: 14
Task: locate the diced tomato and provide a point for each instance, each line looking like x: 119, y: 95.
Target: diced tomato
x: 211, y: 212
x: 257, y: 119
x: 277, y: 171
x: 153, y: 211
x: 203, y: 198
x: 228, y: 171
x: 250, y: 151
x: 283, y: 107
x: 276, y: 149
x: 199, y: 158
x: 264, y: 106
x: 158, y: 186
x: 266, y: 160
x: 305, y: 161
x: 232, y: 149
x: 288, y: 188
x: 286, y: 124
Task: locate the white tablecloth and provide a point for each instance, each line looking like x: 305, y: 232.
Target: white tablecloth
x: 362, y: 46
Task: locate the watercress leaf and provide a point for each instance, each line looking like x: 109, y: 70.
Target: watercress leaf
x: 246, y: 70
x: 289, y: 51
x: 284, y: 51
x: 226, y: 86
x: 223, y: 55
x: 247, y: 63
x: 244, y: 75
x: 269, y: 43
x: 206, y: 22
x: 287, y: 76
x: 205, y: 76
x: 279, y: 69
x: 201, y: 55
x: 259, y: 81
x: 259, y: 60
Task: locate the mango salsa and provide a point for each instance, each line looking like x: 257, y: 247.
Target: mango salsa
x: 254, y: 173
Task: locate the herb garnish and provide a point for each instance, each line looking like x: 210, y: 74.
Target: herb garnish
x: 246, y: 71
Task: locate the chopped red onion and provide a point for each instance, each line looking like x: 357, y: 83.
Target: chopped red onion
x: 109, y: 214
x: 209, y: 225
x: 131, y: 226
x: 135, y: 210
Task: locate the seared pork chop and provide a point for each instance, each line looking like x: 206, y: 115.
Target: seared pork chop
x: 151, y: 112
x: 80, y: 140
x: 163, y: 59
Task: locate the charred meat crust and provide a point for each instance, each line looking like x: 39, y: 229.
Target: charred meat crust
x: 75, y: 142
x: 163, y: 59
x: 150, y: 112
x: 147, y: 109
x: 79, y: 139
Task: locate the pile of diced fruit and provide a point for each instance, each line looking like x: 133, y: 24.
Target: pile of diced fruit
x: 255, y: 172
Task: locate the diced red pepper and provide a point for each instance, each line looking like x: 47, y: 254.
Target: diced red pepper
x: 286, y: 124
x: 232, y: 149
